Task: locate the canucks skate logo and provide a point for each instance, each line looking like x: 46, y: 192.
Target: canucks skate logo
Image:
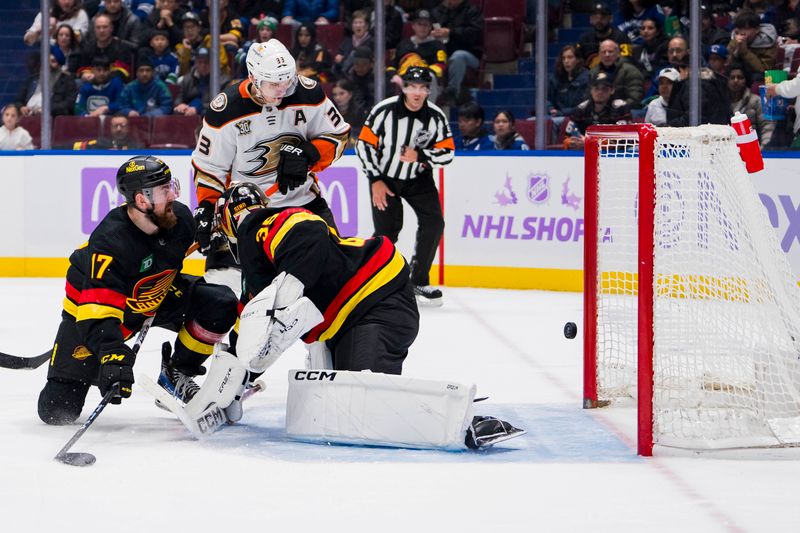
x: 538, y: 188
x: 149, y: 292
x: 243, y: 126
x: 267, y: 154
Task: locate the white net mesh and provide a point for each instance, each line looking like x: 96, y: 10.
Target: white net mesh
x: 726, y: 305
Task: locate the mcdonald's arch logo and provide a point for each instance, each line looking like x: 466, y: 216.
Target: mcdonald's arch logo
x: 339, y: 187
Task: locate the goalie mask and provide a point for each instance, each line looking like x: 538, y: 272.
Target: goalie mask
x: 272, y: 70
x: 236, y: 203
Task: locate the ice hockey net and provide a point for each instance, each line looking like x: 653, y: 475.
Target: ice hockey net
x: 690, y: 305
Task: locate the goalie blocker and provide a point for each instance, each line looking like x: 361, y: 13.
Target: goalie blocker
x: 366, y: 408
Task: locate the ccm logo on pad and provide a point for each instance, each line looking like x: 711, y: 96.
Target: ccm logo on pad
x: 314, y: 375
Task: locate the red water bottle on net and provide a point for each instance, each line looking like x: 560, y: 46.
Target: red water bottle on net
x: 747, y: 141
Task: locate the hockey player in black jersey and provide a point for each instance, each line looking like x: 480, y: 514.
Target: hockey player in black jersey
x: 128, y: 270
x: 351, y: 300
x: 359, y: 288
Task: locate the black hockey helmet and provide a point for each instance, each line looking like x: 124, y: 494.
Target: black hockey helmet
x: 418, y: 75
x: 234, y: 205
x: 141, y: 173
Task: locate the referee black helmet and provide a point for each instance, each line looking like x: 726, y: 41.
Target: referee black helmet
x: 418, y: 75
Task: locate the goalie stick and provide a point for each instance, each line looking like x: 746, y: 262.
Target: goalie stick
x: 20, y: 362
x: 85, y: 458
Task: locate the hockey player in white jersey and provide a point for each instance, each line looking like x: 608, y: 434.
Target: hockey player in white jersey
x: 276, y: 129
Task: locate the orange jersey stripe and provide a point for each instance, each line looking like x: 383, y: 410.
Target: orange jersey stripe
x: 445, y: 143
x: 327, y: 154
x: 369, y: 137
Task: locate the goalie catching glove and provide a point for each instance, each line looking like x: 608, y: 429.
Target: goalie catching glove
x: 273, y: 321
x: 116, y: 366
x: 294, y: 164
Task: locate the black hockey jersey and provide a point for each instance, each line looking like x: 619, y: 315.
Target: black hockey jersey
x: 344, y: 278
x: 121, y: 275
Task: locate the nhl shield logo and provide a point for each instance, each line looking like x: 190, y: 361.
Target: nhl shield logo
x: 538, y: 188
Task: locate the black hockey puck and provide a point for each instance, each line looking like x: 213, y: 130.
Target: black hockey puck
x: 570, y: 330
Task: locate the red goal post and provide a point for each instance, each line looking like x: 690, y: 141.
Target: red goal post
x: 690, y: 306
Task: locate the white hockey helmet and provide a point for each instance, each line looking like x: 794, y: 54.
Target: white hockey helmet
x: 272, y: 62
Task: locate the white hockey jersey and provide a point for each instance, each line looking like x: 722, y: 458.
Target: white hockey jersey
x: 240, y: 140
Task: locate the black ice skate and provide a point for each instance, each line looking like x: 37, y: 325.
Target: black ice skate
x: 178, y: 384
x: 488, y: 430
x: 428, y: 296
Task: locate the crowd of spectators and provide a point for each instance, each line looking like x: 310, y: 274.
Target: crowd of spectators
x: 152, y: 57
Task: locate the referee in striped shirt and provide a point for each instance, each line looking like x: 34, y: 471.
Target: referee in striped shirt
x: 403, y: 139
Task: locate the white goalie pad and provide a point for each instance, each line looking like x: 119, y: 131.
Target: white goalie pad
x: 368, y: 408
x: 273, y: 321
x: 318, y: 356
x: 224, y: 384
x: 205, y: 413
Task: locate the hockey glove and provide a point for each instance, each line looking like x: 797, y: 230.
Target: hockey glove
x: 294, y: 163
x: 203, y: 220
x: 116, y: 366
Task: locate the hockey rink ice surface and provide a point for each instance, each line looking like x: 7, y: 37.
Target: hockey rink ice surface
x: 575, y: 470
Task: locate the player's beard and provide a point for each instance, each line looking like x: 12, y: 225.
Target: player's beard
x: 165, y: 220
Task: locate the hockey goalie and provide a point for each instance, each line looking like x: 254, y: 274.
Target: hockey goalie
x: 351, y: 301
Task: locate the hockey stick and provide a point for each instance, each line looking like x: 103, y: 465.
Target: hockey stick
x: 85, y: 458
x: 19, y: 362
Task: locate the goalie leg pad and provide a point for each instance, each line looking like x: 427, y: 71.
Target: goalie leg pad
x: 366, y: 408
x: 222, y: 386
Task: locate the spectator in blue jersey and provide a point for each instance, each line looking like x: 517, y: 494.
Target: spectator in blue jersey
x: 310, y: 12
x: 142, y: 8
x: 101, y: 95
x: 146, y: 95
x: 165, y: 61
x: 633, y: 13
x: 194, y: 92
x: 505, y: 135
x: 471, y: 134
